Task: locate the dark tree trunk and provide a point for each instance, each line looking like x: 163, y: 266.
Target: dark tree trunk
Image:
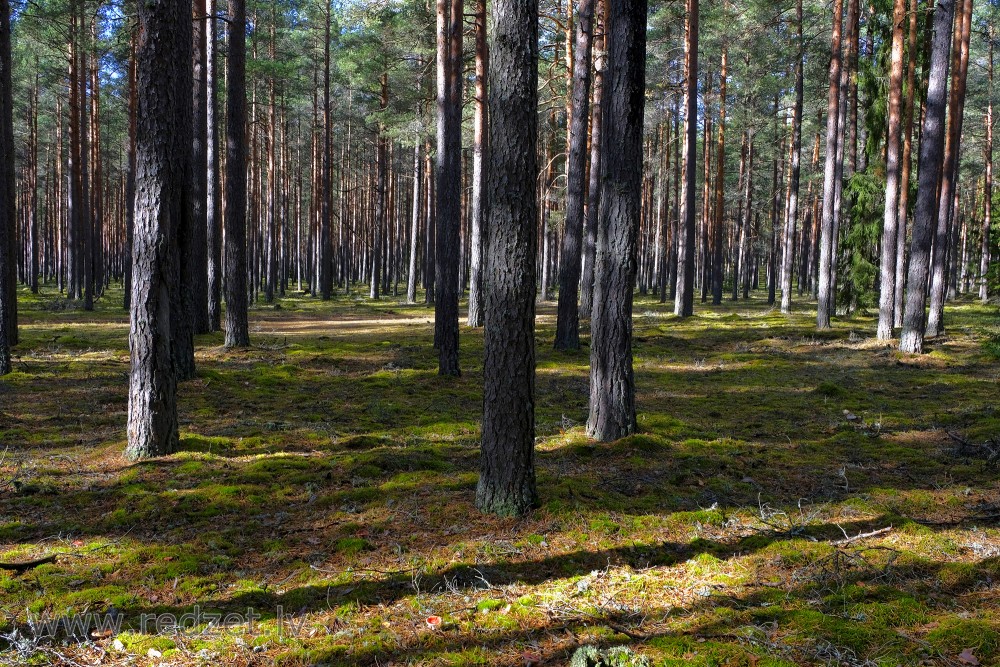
x: 163, y: 170
x: 887, y: 283
x: 213, y: 195
x: 181, y: 293
x: 612, y: 385
x: 594, y: 179
x: 449, y: 184
x: 507, y: 467
x: 684, y: 298
x: 199, y: 182
x: 568, y: 316
x: 479, y: 147
x: 8, y: 216
x: 929, y: 171
x: 325, y: 254
x: 826, y: 241
x: 237, y: 328
x: 129, y: 203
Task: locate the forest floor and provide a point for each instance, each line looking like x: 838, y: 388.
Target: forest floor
x: 326, y: 481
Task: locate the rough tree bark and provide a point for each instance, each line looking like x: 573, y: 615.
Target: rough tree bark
x: 904, y: 180
x: 929, y: 170
x: 890, y: 217
x: 199, y: 179
x: 507, y: 467
x: 596, y: 151
x: 568, y: 315
x: 449, y: 184
x: 213, y: 195
x: 163, y: 153
x: 237, y: 328
x: 612, y: 385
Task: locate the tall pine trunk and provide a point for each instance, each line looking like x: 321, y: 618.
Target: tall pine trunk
x: 684, y: 297
x: 568, y: 316
x: 893, y: 173
x: 479, y: 148
x: 929, y: 169
x: 163, y: 154
x: 612, y: 384
x: 826, y: 243
x: 8, y: 214
x: 237, y: 327
x: 507, y: 465
x: 984, y: 259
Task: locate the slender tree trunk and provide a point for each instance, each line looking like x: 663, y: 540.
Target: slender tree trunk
x: 887, y: 284
x: 984, y: 259
x: 325, y: 250
x: 950, y: 169
x: 411, y: 284
x: 479, y: 148
x: 929, y: 169
x: 449, y: 183
x: 568, y: 317
x: 199, y: 180
x: 592, y: 211
x: 720, y: 179
x: 827, y: 258
x: 237, y: 327
x: 684, y: 300
x: 163, y: 171
x: 904, y: 195
x: 612, y: 385
x: 8, y: 212
x: 381, y: 175
x: 792, y: 211
x: 507, y: 465
x: 213, y: 198
x: 129, y: 203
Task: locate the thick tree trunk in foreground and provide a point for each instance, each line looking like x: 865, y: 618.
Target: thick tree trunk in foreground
x: 826, y: 243
x: 568, y: 317
x: 162, y: 168
x: 507, y: 467
x: 479, y: 147
x: 8, y: 295
x: 684, y: 297
x: 929, y: 166
x: 449, y: 184
x: 892, y: 169
x: 237, y: 327
x: 612, y: 385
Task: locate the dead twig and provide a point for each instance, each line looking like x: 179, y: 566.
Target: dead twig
x: 860, y: 536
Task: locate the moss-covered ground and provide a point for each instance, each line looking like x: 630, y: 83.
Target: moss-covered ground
x: 326, y: 480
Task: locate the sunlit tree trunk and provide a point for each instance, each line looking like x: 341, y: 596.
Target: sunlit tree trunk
x: 792, y: 211
x: 950, y: 168
x: 684, y: 299
x: 899, y: 282
x: 826, y: 243
x: 893, y: 169
x: 8, y: 213
x: 929, y: 169
x: 984, y: 259
x: 479, y: 148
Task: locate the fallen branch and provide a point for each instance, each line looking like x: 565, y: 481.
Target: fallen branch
x: 861, y: 536
x: 21, y: 568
